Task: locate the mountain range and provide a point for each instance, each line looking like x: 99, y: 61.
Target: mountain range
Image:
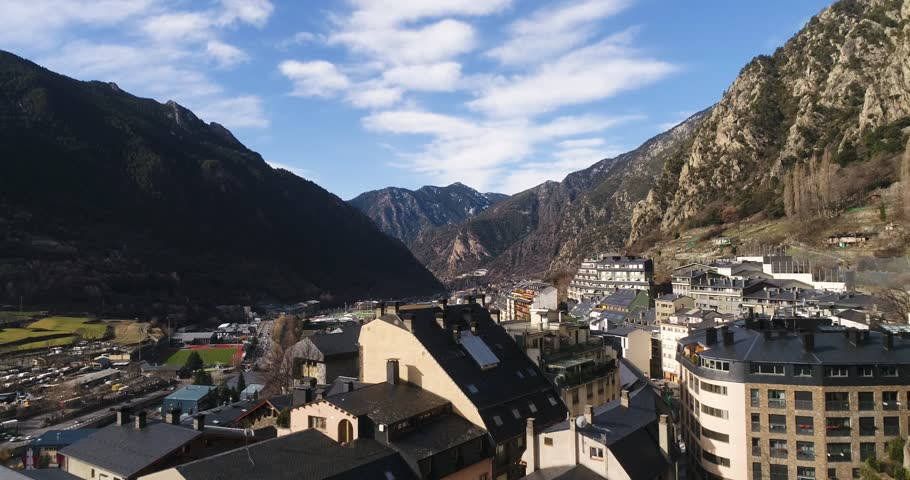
x: 836, y: 95
x: 406, y: 214
x: 107, y: 199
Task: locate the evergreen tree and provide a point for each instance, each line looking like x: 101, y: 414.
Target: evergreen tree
x: 194, y: 361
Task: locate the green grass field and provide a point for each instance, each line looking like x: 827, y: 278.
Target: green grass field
x: 210, y: 356
x: 77, y: 325
x: 9, y: 335
x: 54, y: 342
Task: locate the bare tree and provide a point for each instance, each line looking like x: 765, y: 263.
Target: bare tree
x: 895, y: 304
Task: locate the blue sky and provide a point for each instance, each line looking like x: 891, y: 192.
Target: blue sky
x: 362, y: 94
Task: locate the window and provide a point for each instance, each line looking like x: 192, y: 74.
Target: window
x: 724, y: 462
x: 802, y: 370
x: 833, y: 372
x: 532, y: 407
x: 714, y: 412
x: 389, y: 475
x: 756, y: 447
x: 777, y: 423
x: 756, y: 423
x: 519, y: 374
x: 497, y: 420
x: 805, y: 473
x: 777, y: 399
x: 839, y: 452
x: 866, y: 401
x: 575, y: 396
x: 805, y: 451
x: 756, y: 470
x: 710, y: 387
x: 832, y: 473
x: 754, y: 397
x: 516, y: 413
x: 837, y: 426
x: 548, y: 441
x: 867, y: 426
x: 531, y: 372
x: 317, y: 422
x: 597, y: 453
x: 835, y: 401
x: 721, y: 437
x: 93, y: 473
x: 888, y: 370
x: 866, y: 371
x: 805, y: 425
x: 552, y: 400
x: 778, y: 448
x: 589, y: 391
x: 866, y: 451
x: 760, y: 368
x: 715, y: 364
x: 892, y: 426
x: 803, y: 400
x: 889, y: 401
x: 472, y: 388
x: 778, y: 472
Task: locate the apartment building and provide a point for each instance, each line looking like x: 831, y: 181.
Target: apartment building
x: 459, y: 353
x: 681, y: 324
x: 761, y: 404
x: 607, y: 272
x: 668, y: 304
x: 527, y: 297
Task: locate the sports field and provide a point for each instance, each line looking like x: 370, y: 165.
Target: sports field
x: 211, y: 355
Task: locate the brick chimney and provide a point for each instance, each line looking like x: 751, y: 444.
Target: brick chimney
x: 172, y: 417
x: 624, y: 398
x: 589, y: 413
x: 199, y: 422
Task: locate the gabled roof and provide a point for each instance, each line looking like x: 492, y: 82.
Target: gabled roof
x: 344, y: 342
x: 227, y: 415
x: 126, y: 451
x: 511, y: 386
x: 305, y: 455
x: 59, y: 438
x: 386, y: 403
x: 36, y: 474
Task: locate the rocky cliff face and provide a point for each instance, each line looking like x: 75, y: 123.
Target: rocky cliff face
x: 842, y: 83
x: 117, y: 202
x: 406, y: 214
x: 548, y: 228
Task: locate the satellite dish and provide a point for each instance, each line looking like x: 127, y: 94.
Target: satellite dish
x: 580, y: 421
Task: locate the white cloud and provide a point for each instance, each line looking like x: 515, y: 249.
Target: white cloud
x: 38, y: 23
x: 588, y: 74
x: 554, y: 29
x: 389, y: 12
x: 226, y: 55
x: 486, y: 152
x: 178, y: 26
x: 678, y: 118
x: 253, y: 12
x: 432, y: 77
x: 582, y: 143
x: 376, y: 97
x: 431, y: 43
x: 317, y: 78
x: 300, y: 172
x: 238, y: 112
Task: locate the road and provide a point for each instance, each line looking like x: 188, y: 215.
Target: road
x: 32, y: 427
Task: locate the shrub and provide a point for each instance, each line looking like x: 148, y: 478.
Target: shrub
x: 284, y: 418
x: 895, y: 449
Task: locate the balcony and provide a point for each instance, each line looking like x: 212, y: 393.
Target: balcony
x: 804, y: 405
x: 777, y: 403
x: 807, y: 454
x: 756, y: 450
x: 837, y: 405
x: 866, y: 405
x: 779, y: 452
x: 587, y: 374
x: 892, y: 405
x: 777, y: 427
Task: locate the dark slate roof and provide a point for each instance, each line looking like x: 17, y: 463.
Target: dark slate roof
x: 437, y: 436
x: 305, y: 455
x: 60, y: 438
x: 622, y: 298
x: 830, y: 348
x: 339, y: 385
x: 578, y: 472
x: 513, y: 384
x: 853, y: 315
x: 36, y: 474
x: 226, y: 415
x: 343, y: 343
x: 126, y: 451
x: 386, y: 403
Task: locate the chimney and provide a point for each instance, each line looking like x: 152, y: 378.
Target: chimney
x: 711, y: 336
x: 589, y: 413
x: 532, y: 446
x: 474, y: 328
x: 808, y: 342
x: 408, y: 320
x: 199, y: 422
x: 123, y: 416
x: 441, y: 319
x: 728, y: 336
x: 573, y: 434
x: 664, y: 434
x: 347, y: 387
x: 380, y: 309
x: 443, y: 302
x: 140, y: 420
x: 889, y: 341
x: 173, y: 416
x: 624, y: 398
x: 483, y: 300
x: 397, y: 307
x: 494, y: 314
x: 391, y: 371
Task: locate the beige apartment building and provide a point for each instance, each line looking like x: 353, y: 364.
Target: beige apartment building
x: 460, y: 354
x: 781, y: 405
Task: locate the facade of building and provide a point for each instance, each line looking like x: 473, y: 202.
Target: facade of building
x: 678, y: 326
x: 525, y: 298
x: 669, y: 304
x: 326, y: 356
x: 777, y: 404
x: 190, y: 399
x: 605, y: 273
x: 459, y: 353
